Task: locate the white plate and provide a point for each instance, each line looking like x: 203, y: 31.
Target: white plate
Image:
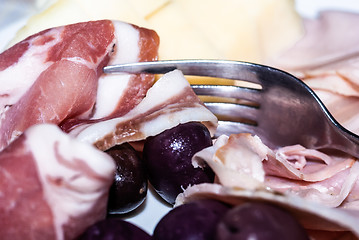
x: 13, y: 17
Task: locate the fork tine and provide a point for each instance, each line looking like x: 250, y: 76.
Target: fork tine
x: 228, y: 91
x: 233, y: 112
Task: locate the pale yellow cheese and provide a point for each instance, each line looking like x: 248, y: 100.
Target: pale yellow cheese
x: 218, y: 29
x: 231, y: 27
x: 146, y: 8
x: 285, y: 26
x: 179, y: 38
x: 245, y: 30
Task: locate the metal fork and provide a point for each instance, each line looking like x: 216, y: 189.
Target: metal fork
x: 283, y: 111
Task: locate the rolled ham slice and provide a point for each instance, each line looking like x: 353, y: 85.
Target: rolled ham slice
x: 56, y: 76
x: 309, y: 182
x: 51, y: 185
x: 243, y: 161
x: 169, y: 102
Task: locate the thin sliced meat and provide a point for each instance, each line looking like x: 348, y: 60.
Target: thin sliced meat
x: 59, y: 79
x: 237, y: 162
x: 298, y: 163
x: 243, y: 161
x: 117, y: 94
x: 320, y: 190
x: 51, y: 185
x: 169, y: 102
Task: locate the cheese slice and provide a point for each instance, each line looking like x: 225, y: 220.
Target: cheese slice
x: 146, y: 8
x: 242, y: 29
x: 179, y: 37
x: 217, y: 29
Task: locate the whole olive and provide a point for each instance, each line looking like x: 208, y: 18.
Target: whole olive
x: 168, y: 159
x: 129, y: 188
x: 194, y: 220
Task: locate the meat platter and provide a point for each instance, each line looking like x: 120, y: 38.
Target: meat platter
x: 153, y: 209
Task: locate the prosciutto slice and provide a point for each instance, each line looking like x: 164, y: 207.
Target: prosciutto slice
x: 169, y: 102
x: 51, y: 185
x: 56, y: 76
x: 243, y: 162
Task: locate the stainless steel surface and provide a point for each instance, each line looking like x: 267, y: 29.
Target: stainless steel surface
x: 284, y: 111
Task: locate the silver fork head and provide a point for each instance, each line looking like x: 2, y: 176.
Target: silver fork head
x: 282, y: 111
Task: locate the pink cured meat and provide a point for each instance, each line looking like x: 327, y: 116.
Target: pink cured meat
x: 51, y: 186
x: 312, y: 183
x: 169, y: 102
x: 295, y: 169
x: 56, y: 76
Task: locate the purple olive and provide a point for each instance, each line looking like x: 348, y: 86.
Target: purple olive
x: 194, y: 220
x: 114, y: 229
x: 259, y: 221
x: 168, y: 159
x: 129, y: 189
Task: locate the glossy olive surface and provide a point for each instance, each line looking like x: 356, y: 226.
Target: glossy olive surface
x: 259, y: 221
x: 195, y: 220
x: 129, y: 189
x: 168, y: 158
x: 114, y: 229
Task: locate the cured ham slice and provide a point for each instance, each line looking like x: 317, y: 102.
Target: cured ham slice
x: 243, y: 162
x: 51, y: 185
x: 55, y: 76
x: 169, y: 102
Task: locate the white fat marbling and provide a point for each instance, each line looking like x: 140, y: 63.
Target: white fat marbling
x: 77, y: 191
x: 171, y: 84
x: 112, y: 86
